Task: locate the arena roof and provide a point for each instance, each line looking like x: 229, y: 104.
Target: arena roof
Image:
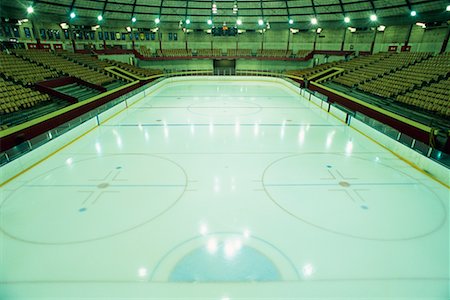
x: 249, y: 11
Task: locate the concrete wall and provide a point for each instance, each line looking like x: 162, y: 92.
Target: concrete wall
x: 391, y: 36
x: 253, y: 64
x: 125, y: 58
x: 182, y: 64
x: 359, y: 40
x: 429, y: 39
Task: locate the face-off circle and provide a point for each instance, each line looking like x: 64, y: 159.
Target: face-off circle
x: 353, y: 197
x: 224, y: 257
x: 92, y: 199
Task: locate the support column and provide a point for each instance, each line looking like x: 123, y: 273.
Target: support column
x: 409, y: 35
x: 74, y: 46
x: 289, y: 39
x: 373, y: 42
x: 103, y: 38
x: 405, y: 46
x: 262, y: 41
x: 133, y: 40
x: 36, y: 34
x: 315, y: 40
x: 343, y: 39
x: 212, y: 40
x: 445, y: 43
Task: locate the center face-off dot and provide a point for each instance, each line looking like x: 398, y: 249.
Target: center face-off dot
x: 104, y: 202
x: 103, y: 185
x: 344, y: 183
x: 355, y: 197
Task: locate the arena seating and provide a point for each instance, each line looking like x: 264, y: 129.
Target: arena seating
x: 410, y: 77
x: 65, y: 66
x: 174, y: 53
x: 434, y: 97
x: 209, y: 52
x: 363, y: 61
x: 84, y: 60
x: 239, y: 52
x: 306, y: 73
x: 274, y: 53
x: 417, y: 79
x: 302, y: 53
x: 384, y: 64
x: 14, y: 97
x: 23, y: 71
x: 144, y: 51
x: 100, y: 65
x: 132, y: 69
x: 353, y: 64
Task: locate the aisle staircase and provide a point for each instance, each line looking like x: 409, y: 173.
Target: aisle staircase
x: 80, y: 92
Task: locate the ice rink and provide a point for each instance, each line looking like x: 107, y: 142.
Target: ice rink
x: 209, y: 189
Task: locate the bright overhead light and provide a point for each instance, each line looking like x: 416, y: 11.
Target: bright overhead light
x: 291, y: 21
x: 238, y: 22
x: 133, y: 19
x: 413, y: 13
x: 373, y: 18
x: 314, y: 21
x: 423, y: 25
x: 30, y: 9
x: 100, y: 17
x: 72, y: 15
x: 347, y: 19
x: 157, y: 20
x: 260, y: 22
x: 188, y: 21
x: 209, y: 22
x: 448, y: 7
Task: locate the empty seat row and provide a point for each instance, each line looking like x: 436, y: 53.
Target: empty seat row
x: 63, y: 65
x: 14, y: 97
